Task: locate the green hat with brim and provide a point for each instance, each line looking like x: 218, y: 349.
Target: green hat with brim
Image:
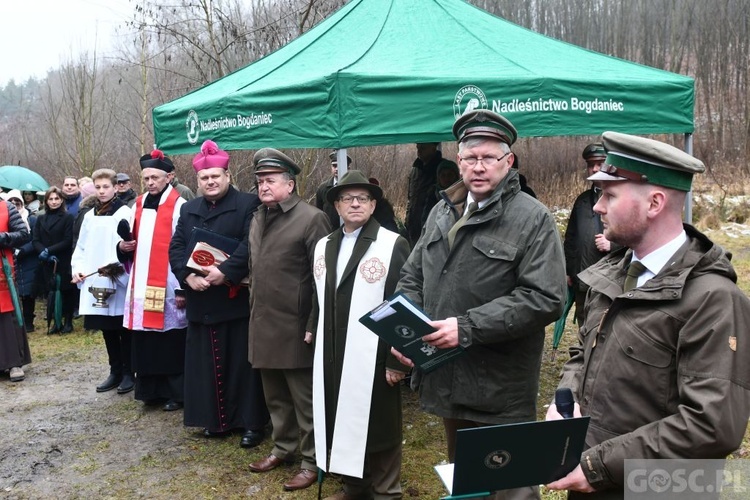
x: 637, y: 159
x: 354, y: 179
x: 269, y: 161
x: 484, y: 123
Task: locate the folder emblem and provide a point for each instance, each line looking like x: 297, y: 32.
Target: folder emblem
x: 497, y: 459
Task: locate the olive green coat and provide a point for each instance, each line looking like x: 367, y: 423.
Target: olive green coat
x: 504, y: 280
x: 664, y: 369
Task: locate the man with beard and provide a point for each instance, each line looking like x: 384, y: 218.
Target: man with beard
x: 154, y: 304
x: 663, y: 359
x: 584, y: 242
x: 223, y: 392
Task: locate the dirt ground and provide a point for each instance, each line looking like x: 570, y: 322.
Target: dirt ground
x: 62, y: 439
x: 59, y: 438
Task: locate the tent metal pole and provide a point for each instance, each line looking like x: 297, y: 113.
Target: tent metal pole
x: 343, y: 166
x: 689, y: 198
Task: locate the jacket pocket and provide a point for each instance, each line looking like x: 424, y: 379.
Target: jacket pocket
x: 495, y: 249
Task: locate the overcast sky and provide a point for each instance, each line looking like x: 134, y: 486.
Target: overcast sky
x: 37, y: 35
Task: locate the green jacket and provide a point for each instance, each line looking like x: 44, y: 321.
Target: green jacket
x: 504, y: 280
x: 664, y: 369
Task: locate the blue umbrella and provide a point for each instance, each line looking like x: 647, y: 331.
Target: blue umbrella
x: 21, y: 178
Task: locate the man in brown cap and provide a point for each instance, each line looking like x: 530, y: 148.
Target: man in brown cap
x: 585, y: 242
x: 489, y: 270
x: 663, y: 360
x: 282, y: 241
x: 356, y: 378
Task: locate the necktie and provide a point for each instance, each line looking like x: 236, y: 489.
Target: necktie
x: 635, y: 269
x: 473, y: 206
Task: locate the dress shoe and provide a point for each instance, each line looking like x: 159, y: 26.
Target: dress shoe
x: 16, y: 374
x: 251, y: 439
x: 109, y: 384
x: 67, y: 328
x: 171, y: 406
x: 304, y: 479
x: 127, y: 384
x: 266, y: 464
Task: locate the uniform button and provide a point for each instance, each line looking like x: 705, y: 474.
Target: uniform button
x: 586, y: 400
x: 445, y: 271
x: 464, y: 339
x: 602, y: 338
x: 629, y: 349
x: 492, y: 252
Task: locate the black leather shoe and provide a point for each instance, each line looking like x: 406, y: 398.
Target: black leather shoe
x: 67, y: 328
x: 251, y: 439
x: 171, y: 406
x: 112, y: 381
x: 127, y: 384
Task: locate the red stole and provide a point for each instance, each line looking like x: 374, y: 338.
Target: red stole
x: 158, y: 265
x: 6, y: 302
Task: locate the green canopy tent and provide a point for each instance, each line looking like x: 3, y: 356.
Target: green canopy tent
x: 382, y: 72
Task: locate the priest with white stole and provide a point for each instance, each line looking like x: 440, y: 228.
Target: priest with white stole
x: 356, y: 394
x: 154, y: 307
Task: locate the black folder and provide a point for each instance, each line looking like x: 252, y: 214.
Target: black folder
x: 501, y: 457
x: 401, y: 324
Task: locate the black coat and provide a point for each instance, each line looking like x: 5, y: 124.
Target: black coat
x: 230, y: 217
x: 54, y: 231
x: 27, y: 262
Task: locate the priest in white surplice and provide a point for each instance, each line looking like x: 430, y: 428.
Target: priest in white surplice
x: 154, y: 312
x: 356, y: 395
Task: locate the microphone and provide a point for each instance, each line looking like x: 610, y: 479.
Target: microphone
x: 564, y: 402
x: 123, y: 230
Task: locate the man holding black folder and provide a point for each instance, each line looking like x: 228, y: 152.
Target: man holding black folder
x: 663, y: 359
x: 356, y: 394
x: 223, y: 392
x: 489, y: 267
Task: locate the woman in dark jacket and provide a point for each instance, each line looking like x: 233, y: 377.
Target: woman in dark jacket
x: 53, y: 242
x: 26, y: 265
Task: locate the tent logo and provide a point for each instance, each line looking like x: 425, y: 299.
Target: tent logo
x: 469, y: 98
x: 192, y: 128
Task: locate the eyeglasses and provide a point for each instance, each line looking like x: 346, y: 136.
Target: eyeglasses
x: 348, y: 200
x: 122, y: 182
x: 487, y: 161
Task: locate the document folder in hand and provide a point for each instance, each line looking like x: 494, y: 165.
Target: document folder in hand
x: 401, y: 324
x: 208, y: 248
x: 501, y: 457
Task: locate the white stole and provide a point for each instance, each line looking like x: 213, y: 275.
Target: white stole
x: 360, y: 352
